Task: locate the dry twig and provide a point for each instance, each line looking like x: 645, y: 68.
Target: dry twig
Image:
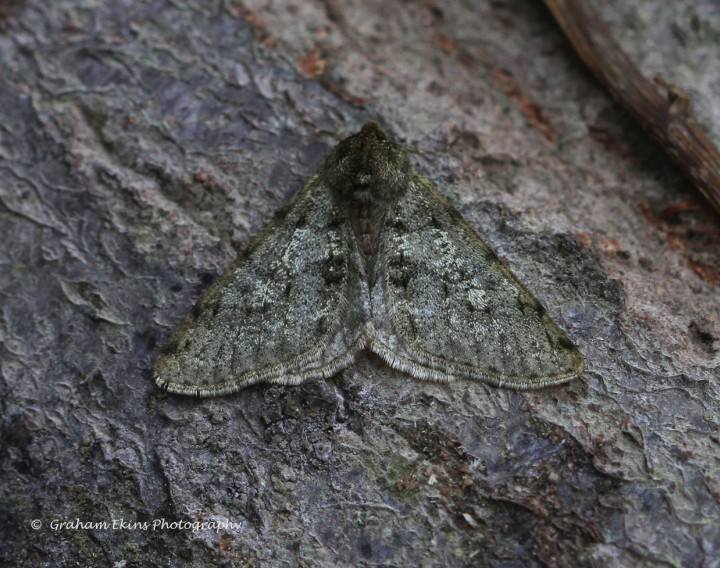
x: 670, y: 119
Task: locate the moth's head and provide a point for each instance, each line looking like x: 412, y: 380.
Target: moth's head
x: 368, y: 167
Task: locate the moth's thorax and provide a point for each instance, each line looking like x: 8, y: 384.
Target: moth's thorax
x: 367, y: 173
x: 368, y: 168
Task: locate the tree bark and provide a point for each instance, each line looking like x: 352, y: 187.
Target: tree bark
x: 142, y: 143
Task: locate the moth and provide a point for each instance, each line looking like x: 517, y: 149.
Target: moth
x: 368, y: 255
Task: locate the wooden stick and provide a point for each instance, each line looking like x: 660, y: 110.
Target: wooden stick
x: 669, y: 119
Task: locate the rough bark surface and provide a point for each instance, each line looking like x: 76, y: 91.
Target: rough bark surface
x: 142, y: 142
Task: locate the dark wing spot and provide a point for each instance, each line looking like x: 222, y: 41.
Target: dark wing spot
x: 490, y: 256
x: 321, y: 325
x: 337, y: 222
x: 196, y: 311
x: 398, y: 273
x: 541, y: 311
x: 399, y: 278
x: 399, y: 226
x: 333, y: 269
x: 454, y: 214
x: 244, y: 254
x: 565, y: 343
x: 464, y: 275
x: 532, y: 306
x: 281, y: 213
x: 170, y: 347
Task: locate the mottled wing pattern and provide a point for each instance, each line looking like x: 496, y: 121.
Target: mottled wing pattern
x: 293, y: 307
x: 444, y: 306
